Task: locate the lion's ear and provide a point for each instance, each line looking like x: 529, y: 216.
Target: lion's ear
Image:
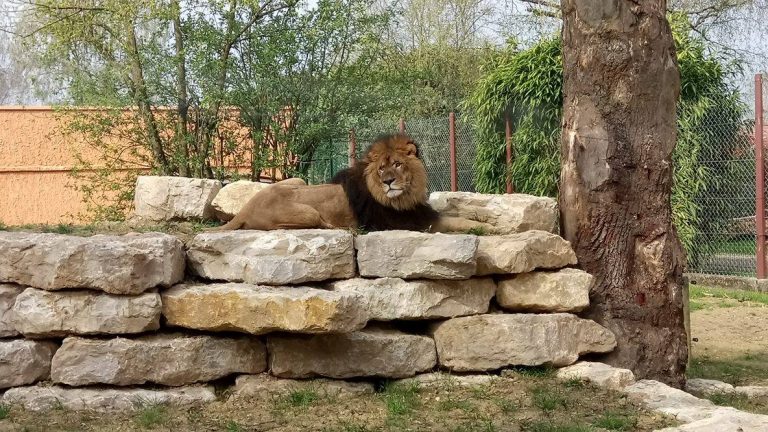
x: 411, y: 149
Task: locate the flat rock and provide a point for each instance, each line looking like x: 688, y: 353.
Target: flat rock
x: 365, y: 353
x: 273, y: 257
x: 599, y: 374
x: 508, y: 214
x: 262, y: 309
x: 45, y: 398
x: 39, y: 313
x: 671, y: 401
x: 169, y: 359
x: 24, y: 361
x: 232, y: 197
x: 707, y: 387
x: 565, y: 290
x: 724, y: 419
x: 265, y: 384
x: 8, y: 294
x: 166, y: 198
x: 447, y: 380
x: 416, y: 255
x: 523, y: 252
x: 494, y: 341
x: 389, y: 299
x: 128, y: 264
x: 752, y: 391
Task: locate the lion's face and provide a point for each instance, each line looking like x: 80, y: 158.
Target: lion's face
x: 394, y: 174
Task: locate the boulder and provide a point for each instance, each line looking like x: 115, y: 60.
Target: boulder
x: 366, y: 353
x: 523, y: 252
x: 128, y: 264
x: 24, y: 361
x: 39, y: 313
x: 415, y: 255
x: 566, y: 290
x: 494, y: 341
x: 670, y: 401
x: 8, y: 294
x: 752, y: 391
x: 599, y: 374
x: 706, y: 387
x: 725, y: 419
x: 169, y: 359
x: 508, y: 214
x: 262, y: 309
x: 265, y: 384
x: 232, y: 197
x: 165, y: 198
x: 388, y: 299
x: 273, y: 257
x: 448, y: 381
x: 45, y: 398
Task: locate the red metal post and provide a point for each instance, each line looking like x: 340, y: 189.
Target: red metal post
x: 352, y: 147
x: 402, y: 125
x: 452, y: 149
x: 508, y: 136
x: 759, y: 177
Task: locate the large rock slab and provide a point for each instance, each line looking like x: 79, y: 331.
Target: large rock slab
x: 165, y: 198
x: 8, y: 294
x: 700, y: 386
x: 273, y: 257
x: 265, y: 384
x: 724, y: 419
x: 45, y: 398
x: 24, y: 361
x: 488, y: 342
x: 566, y: 290
x: 262, y: 309
x: 416, y: 255
x: 129, y: 264
x: 389, y: 299
x: 523, y: 252
x: 169, y: 359
x: 40, y: 313
x: 232, y: 197
x: 599, y: 374
x: 365, y: 353
x: 509, y: 214
x: 448, y: 381
x: 671, y: 401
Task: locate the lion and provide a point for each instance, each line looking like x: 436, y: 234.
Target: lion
x: 386, y: 190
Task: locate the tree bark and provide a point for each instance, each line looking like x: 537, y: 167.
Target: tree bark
x: 182, y: 107
x: 621, y: 84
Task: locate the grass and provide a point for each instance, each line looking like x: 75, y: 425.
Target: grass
x: 478, y: 231
x: 548, y: 426
x: 401, y: 399
x: 614, y: 421
x: 454, y: 404
x: 148, y: 416
x: 743, y: 370
x: 299, y: 398
x: 744, y: 246
x: 233, y: 426
x: 704, y: 297
x: 534, y: 371
x: 740, y: 402
x: 5, y: 411
x: 548, y: 398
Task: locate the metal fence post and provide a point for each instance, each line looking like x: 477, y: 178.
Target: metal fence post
x: 508, y: 136
x: 452, y: 150
x: 402, y: 125
x: 759, y: 178
x: 352, y: 147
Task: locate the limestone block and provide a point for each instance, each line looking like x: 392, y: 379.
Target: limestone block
x: 509, y: 213
x: 700, y: 386
x: 40, y: 313
x: 414, y: 255
x: 366, y: 353
x: 447, y: 380
x: 265, y: 384
x: 169, y: 359
x: 232, y: 197
x: 8, y: 294
x: 599, y: 374
x: 752, y: 391
x: 494, y: 341
x: 523, y: 252
x: 262, y: 309
x: 670, y: 401
x: 389, y: 299
x: 24, y: 361
x: 566, y: 290
x: 273, y: 257
x: 724, y: 419
x: 165, y: 198
x: 128, y: 264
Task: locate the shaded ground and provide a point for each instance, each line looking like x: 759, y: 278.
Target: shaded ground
x: 528, y: 401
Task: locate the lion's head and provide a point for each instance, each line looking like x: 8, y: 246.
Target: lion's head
x: 394, y: 174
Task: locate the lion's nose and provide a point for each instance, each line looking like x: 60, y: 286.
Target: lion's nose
x: 388, y: 181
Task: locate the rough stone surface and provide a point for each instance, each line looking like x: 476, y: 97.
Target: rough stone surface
x: 752, y: 391
x: 725, y: 419
x: 8, y: 294
x: 232, y: 197
x: 671, y: 401
x: 389, y: 299
x: 523, y: 252
x: 24, y: 361
x: 494, y: 341
x: 706, y: 386
x: 273, y: 257
x: 566, y: 290
x: 599, y: 374
x: 169, y: 359
x: 414, y: 255
x: 164, y: 198
x: 509, y: 214
x: 39, y: 398
x: 366, y: 353
x: 263, y: 309
x: 446, y: 380
x: 129, y: 264
x: 39, y: 313
x: 255, y: 385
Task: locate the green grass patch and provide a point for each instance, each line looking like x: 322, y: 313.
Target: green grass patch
x: 479, y: 424
x: 704, y: 292
x: 478, y: 231
x: 547, y: 399
x: 546, y: 371
x: 615, y: 421
x: 547, y: 426
x: 401, y: 399
x: 744, y: 246
x: 5, y: 411
x: 300, y: 398
x: 505, y: 405
x: 740, y: 402
x: 455, y: 404
x: 743, y: 370
x: 149, y: 416
x: 233, y: 426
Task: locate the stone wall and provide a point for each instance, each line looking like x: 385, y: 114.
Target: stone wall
x: 97, y: 322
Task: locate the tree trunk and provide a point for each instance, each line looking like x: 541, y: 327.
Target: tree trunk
x: 621, y: 84
x: 182, y: 107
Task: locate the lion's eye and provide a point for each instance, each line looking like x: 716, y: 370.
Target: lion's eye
x: 381, y: 170
x: 398, y: 164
